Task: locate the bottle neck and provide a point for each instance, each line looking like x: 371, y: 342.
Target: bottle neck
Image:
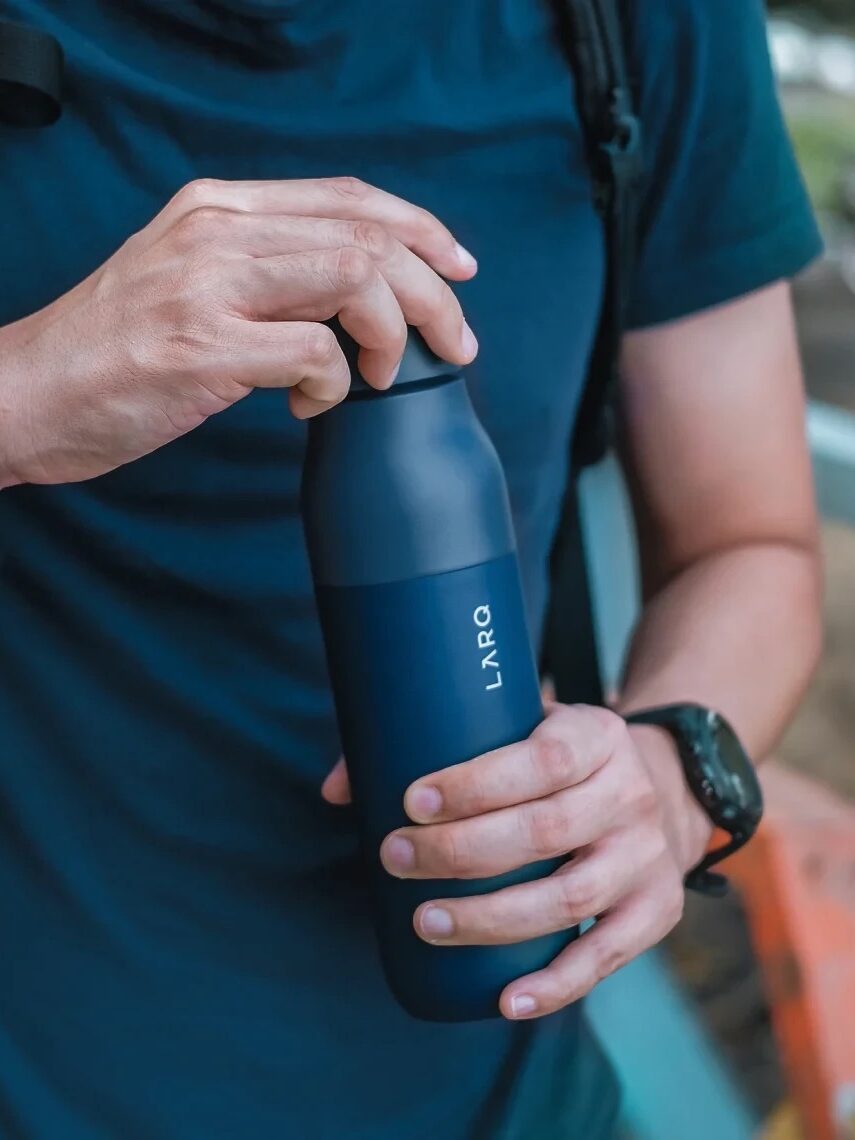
x: 419, y: 364
x: 366, y: 393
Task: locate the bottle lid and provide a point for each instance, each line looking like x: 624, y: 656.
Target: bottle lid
x: 418, y: 362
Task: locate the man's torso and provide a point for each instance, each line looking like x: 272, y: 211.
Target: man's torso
x: 187, y: 950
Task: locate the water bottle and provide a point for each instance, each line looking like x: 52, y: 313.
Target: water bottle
x: 413, y: 556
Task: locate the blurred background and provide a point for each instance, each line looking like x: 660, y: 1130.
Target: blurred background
x: 743, y: 1026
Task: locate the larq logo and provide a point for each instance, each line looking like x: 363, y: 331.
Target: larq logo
x: 486, y: 641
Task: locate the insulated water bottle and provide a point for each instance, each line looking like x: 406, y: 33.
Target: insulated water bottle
x: 413, y: 555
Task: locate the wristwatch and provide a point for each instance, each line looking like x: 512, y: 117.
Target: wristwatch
x: 720, y: 776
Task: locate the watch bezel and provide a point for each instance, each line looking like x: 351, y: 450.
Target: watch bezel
x: 705, y: 740
x: 720, y: 776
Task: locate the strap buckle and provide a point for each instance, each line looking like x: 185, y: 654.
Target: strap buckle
x: 619, y: 154
x: 623, y: 142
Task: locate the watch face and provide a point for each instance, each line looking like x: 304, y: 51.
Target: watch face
x: 737, y: 792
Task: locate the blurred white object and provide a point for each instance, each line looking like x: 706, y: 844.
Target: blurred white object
x: 835, y: 63
x: 801, y: 56
x: 831, y: 432
x: 793, y: 50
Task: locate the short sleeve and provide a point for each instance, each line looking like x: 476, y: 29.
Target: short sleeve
x: 724, y: 208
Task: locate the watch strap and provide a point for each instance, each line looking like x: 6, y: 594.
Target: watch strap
x: 706, y: 882
x: 675, y: 720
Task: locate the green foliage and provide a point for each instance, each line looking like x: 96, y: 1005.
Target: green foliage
x: 825, y: 143
x: 822, y: 124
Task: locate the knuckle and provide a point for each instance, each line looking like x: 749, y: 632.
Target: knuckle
x: 431, y: 304
x: 202, y: 223
x: 490, y: 921
x: 548, y: 830
x: 199, y: 192
x: 349, y: 188
x: 320, y: 346
x: 429, y: 225
x: 373, y: 238
x: 497, y: 922
x: 481, y: 794
x: 453, y: 851
x: 552, y: 759
x: 578, y: 898
x: 608, y: 960
x: 353, y: 268
x: 467, y: 792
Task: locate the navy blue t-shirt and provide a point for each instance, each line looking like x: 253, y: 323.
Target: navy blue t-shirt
x: 184, y: 947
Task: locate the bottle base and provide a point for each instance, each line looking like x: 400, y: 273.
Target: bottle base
x: 464, y: 983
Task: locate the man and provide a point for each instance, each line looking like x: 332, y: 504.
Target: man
x: 186, y: 950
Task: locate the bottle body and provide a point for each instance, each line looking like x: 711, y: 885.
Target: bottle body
x: 430, y: 660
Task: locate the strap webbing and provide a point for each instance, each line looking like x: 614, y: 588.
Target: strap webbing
x: 595, y: 34
x: 31, y: 64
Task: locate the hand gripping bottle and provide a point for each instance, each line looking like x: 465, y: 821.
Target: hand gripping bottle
x: 413, y: 555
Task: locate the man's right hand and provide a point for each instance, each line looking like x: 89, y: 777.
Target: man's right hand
x: 221, y: 293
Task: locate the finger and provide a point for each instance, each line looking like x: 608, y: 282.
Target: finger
x: 349, y: 198
x: 634, y: 926
x: 513, y: 837
x: 593, y: 882
x: 426, y: 300
x: 336, y: 787
x: 303, y: 356
x: 319, y: 284
x: 568, y: 747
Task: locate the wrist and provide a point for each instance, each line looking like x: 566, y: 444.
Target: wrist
x: 8, y: 478
x: 14, y: 383
x: 688, y: 827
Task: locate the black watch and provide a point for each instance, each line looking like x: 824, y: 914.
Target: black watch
x: 721, y: 778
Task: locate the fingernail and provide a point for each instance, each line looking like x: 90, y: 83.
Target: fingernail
x: 436, y: 923
x: 465, y: 257
x: 522, y: 1004
x: 394, y: 374
x: 399, y: 855
x: 469, y: 341
x: 425, y: 802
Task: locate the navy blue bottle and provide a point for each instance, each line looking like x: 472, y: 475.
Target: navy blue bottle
x: 413, y: 555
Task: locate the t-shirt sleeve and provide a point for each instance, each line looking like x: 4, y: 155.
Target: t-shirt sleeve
x: 724, y: 209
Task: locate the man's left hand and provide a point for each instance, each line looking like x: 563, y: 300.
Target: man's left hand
x: 583, y: 785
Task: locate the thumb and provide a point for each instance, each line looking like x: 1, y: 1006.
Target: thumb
x: 336, y: 787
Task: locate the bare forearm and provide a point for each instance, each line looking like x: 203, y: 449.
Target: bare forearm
x: 739, y: 631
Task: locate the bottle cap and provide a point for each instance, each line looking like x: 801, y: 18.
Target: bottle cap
x: 418, y: 362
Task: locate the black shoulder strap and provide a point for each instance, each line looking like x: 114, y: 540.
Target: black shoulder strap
x: 596, y: 35
x: 31, y: 64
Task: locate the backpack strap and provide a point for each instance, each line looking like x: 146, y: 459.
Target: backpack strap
x: 31, y: 64
x: 595, y: 34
